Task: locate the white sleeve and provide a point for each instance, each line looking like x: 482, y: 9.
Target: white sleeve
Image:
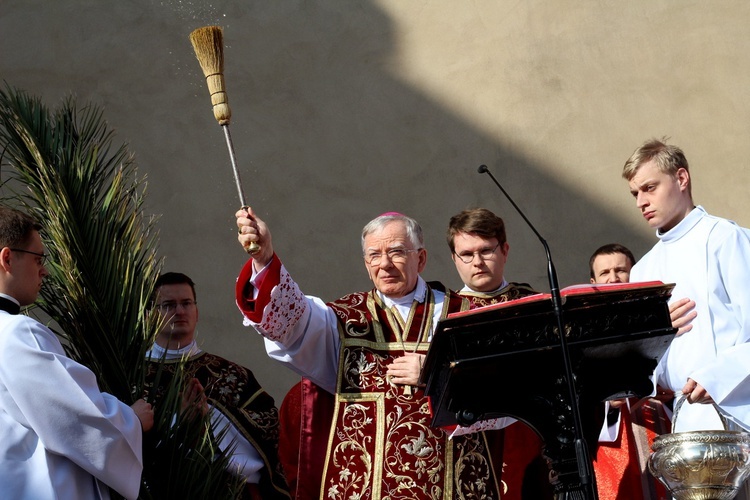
x: 302, y: 332
x: 485, y: 425
x: 60, y: 401
x: 244, y: 460
x: 727, y: 377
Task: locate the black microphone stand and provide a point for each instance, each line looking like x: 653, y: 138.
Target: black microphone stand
x: 582, y: 452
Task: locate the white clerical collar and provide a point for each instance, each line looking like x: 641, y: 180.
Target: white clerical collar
x: 158, y: 352
x: 468, y: 290
x: 682, y: 228
x: 5, y: 295
x: 418, y: 294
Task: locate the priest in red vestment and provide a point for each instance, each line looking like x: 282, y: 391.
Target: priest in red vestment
x: 366, y: 349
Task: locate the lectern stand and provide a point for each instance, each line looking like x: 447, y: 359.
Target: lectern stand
x: 505, y: 360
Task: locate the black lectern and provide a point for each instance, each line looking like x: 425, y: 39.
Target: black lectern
x: 505, y: 360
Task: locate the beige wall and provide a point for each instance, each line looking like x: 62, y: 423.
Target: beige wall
x: 346, y: 109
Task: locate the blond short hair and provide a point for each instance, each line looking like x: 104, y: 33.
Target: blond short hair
x: 668, y: 158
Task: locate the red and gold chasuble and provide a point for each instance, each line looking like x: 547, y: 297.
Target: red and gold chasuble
x: 381, y: 445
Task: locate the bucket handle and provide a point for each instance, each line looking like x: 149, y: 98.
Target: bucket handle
x: 681, y: 397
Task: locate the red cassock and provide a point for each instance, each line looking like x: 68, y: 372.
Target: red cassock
x: 621, y: 466
x: 305, y: 423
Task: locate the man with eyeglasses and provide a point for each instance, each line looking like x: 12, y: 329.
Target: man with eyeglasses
x: 476, y: 238
x: 367, y: 349
x: 243, y: 414
x: 60, y: 436
x: 479, y: 249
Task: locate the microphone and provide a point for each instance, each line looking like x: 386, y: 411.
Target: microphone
x: 582, y: 456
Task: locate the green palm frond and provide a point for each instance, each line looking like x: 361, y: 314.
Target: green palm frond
x: 103, y: 264
x: 102, y: 248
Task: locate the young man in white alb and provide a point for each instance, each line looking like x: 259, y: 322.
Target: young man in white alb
x: 707, y: 258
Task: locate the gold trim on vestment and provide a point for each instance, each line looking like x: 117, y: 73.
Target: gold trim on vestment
x: 380, y: 444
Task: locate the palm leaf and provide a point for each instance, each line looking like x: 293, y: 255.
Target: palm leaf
x: 87, y: 194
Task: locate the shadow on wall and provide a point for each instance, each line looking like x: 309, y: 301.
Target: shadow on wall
x: 336, y: 139
x: 326, y: 135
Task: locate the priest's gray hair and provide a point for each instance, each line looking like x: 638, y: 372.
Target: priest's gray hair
x: 413, y: 229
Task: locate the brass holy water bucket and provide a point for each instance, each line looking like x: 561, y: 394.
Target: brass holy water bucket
x: 701, y: 465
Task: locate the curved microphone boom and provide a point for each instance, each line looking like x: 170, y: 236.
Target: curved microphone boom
x: 582, y: 455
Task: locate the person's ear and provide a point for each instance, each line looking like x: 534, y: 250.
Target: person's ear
x: 5, y: 254
x: 683, y: 178
x: 505, y: 248
x: 422, y: 259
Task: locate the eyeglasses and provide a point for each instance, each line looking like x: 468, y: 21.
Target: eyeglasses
x: 484, y: 254
x: 42, y: 256
x: 395, y: 255
x: 171, y: 305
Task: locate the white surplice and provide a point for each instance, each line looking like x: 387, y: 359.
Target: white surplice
x: 708, y: 259
x: 60, y: 436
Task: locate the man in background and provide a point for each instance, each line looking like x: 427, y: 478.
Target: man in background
x: 240, y: 408
x: 479, y: 249
x: 611, y: 263
x: 60, y: 436
x: 621, y: 458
